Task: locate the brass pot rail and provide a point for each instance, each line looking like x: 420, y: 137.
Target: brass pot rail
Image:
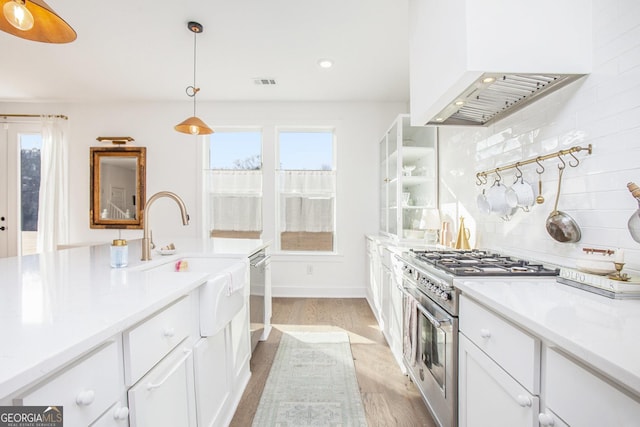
x: 481, y: 177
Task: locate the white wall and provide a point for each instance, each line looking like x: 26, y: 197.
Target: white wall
x: 173, y: 163
x: 602, y: 109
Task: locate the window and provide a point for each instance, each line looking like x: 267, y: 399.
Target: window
x: 306, y: 189
x: 30, y: 147
x: 233, y: 184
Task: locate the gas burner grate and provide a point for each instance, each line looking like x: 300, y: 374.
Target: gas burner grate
x: 481, y: 263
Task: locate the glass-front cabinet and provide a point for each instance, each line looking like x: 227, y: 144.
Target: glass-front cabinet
x: 408, y: 181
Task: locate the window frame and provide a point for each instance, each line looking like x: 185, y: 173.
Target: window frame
x: 207, y: 229
x: 277, y: 191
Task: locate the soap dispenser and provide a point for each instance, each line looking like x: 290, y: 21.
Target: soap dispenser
x: 119, y: 253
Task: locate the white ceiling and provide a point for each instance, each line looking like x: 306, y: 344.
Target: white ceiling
x: 142, y: 50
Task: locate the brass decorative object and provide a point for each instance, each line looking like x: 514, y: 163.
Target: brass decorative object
x: 116, y: 140
x: 462, y: 241
x: 619, y: 275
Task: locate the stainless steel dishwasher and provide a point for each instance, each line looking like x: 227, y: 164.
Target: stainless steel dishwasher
x: 258, y: 277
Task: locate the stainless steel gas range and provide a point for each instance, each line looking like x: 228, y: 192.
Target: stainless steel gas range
x: 430, y: 327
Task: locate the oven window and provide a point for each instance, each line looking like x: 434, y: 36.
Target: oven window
x: 432, y: 350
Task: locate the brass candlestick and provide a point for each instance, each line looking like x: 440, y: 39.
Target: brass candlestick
x: 619, y: 275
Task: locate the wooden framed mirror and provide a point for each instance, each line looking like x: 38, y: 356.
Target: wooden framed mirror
x: 117, y: 187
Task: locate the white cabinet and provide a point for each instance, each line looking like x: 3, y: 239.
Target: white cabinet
x: 516, y: 351
x: 507, y: 377
x: 580, y: 397
x: 383, y: 295
x: 149, y: 341
x: 408, y: 180
x: 490, y: 396
x: 374, y: 277
x: 391, y: 304
x: 499, y: 370
x: 213, y: 385
x: 164, y: 397
x: 85, y: 389
x: 240, y: 342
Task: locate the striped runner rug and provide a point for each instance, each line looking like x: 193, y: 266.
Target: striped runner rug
x: 312, y: 382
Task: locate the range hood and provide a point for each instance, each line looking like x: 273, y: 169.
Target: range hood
x: 494, y: 96
x: 473, y: 62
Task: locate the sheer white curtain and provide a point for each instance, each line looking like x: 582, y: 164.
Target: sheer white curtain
x: 307, y: 200
x: 235, y: 200
x: 53, y: 209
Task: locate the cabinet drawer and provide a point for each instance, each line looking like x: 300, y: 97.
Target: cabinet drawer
x: 84, y: 390
x: 165, y: 396
x: 514, y: 350
x: 582, y: 398
x: 148, y: 342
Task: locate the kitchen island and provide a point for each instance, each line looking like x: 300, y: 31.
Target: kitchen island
x: 57, y: 308
x: 584, y: 347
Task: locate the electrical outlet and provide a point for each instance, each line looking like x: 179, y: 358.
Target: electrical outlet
x: 309, y: 269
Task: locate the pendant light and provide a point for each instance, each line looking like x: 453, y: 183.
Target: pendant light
x: 194, y: 125
x: 34, y: 20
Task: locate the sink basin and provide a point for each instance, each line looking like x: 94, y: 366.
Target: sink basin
x: 218, y: 303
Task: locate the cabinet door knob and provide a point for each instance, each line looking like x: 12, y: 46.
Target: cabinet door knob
x: 85, y: 398
x: 2, y: 228
x: 523, y: 400
x: 485, y: 333
x: 546, y: 419
x: 169, y: 332
x: 121, y: 413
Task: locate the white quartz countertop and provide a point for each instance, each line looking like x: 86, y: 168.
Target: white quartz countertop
x: 603, y: 333
x: 58, y: 305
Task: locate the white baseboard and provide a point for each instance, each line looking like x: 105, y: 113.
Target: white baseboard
x: 312, y: 292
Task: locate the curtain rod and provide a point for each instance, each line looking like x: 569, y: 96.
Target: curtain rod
x: 57, y: 116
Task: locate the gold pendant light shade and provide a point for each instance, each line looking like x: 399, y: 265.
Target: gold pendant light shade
x: 194, y: 125
x: 34, y: 20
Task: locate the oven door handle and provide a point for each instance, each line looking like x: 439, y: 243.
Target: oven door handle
x: 437, y: 323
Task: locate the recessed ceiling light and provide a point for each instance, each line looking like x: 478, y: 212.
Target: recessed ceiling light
x: 325, y: 63
x: 488, y: 80
x: 439, y: 119
x: 459, y: 103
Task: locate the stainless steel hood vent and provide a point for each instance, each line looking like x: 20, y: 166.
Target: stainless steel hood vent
x: 494, y: 96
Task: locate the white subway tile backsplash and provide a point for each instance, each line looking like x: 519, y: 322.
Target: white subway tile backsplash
x: 630, y: 61
x: 602, y: 109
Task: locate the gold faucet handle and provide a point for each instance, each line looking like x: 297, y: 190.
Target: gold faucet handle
x: 151, y: 244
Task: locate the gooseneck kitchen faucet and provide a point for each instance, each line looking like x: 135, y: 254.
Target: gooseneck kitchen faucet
x: 146, y: 240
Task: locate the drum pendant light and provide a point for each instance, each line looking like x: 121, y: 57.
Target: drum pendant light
x: 34, y: 20
x: 193, y: 125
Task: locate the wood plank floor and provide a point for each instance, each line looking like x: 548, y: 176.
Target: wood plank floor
x: 389, y: 397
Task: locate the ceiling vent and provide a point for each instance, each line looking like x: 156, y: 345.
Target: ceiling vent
x: 264, y: 81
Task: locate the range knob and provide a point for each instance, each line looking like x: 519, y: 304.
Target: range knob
x: 445, y: 296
